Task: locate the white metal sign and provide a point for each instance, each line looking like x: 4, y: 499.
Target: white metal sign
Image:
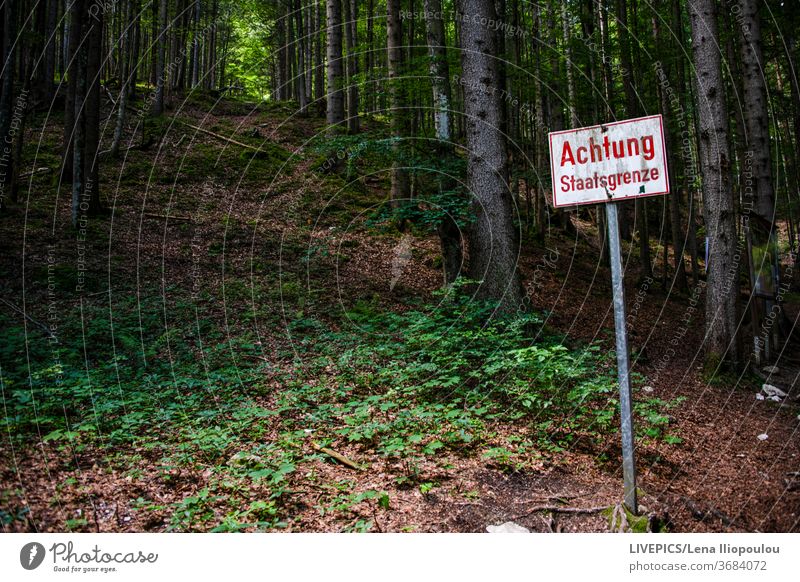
x: 614, y: 161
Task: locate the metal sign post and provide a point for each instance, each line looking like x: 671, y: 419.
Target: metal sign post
x: 623, y: 369
x: 604, y: 164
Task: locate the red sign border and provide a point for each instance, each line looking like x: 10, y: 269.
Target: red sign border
x: 630, y: 197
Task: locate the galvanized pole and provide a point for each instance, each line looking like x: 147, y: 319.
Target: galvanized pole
x: 618, y: 284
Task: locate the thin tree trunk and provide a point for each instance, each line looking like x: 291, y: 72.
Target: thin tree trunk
x: 335, y: 116
x: 352, y: 66
x: 674, y: 197
x: 122, y: 101
x: 319, y: 69
x: 78, y: 70
x: 91, y: 192
x: 449, y: 233
x: 300, y: 51
x: 9, y: 40
x: 401, y: 185
x: 161, y: 81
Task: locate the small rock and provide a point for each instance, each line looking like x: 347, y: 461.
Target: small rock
x: 507, y: 527
x: 763, y: 436
x: 759, y: 396
x: 771, y: 369
x: 775, y: 398
x: 126, y: 519
x: 771, y: 390
x: 647, y: 389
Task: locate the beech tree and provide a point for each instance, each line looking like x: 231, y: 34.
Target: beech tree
x: 335, y: 65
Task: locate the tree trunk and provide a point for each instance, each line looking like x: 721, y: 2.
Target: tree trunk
x: 401, y: 185
x: 78, y: 71
x: 493, y: 244
x: 335, y: 115
x: 9, y: 35
x: 319, y: 69
x: 161, y: 81
x: 722, y: 271
x: 352, y: 66
x: 71, y: 66
x: 122, y: 101
x: 440, y: 75
x: 94, y: 40
x: 449, y: 233
x: 300, y: 51
x: 674, y: 196
x: 756, y: 115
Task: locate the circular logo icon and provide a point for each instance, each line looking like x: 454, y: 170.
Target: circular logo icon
x: 31, y: 555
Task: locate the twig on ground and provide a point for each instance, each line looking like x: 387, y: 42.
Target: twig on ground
x: 339, y: 457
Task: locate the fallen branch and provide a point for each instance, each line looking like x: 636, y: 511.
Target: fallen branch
x: 341, y: 458
x: 220, y: 137
x: 561, y: 509
x: 32, y: 320
x: 168, y: 217
x: 36, y: 171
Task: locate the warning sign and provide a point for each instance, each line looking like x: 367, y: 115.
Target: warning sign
x: 614, y: 161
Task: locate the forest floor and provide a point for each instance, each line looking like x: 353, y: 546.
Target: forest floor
x: 223, y: 345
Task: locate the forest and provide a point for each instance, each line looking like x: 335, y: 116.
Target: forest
x: 306, y: 266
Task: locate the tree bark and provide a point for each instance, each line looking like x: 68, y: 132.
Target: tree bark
x: 722, y: 270
x: 401, y: 185
x: 493, y: 243
x: 448, y: 231
x: 352, y: 66
x: 122, y: 101
x: 161, y: 81
x: 335, y: 115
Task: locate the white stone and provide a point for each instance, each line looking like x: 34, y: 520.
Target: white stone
x: 759, y: 396
x: 771, y: 390
x: 771, y: 369
x: 647, y: 389
x: 775, y: 398
x: 763, y: 437
x: 507, y: 527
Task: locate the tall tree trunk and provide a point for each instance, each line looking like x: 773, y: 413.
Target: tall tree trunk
x: 493, y: 243
x: 401, y: 184
x: 756, y: 115
x: 75, y: 32
x: 50, y: 49
x: 449, y: 233
x: 78, y: 70
x: 335, y: 115
x: 319, y: 69
x: 94, y: 40
x: 300, y: 51
x: 565, y: 27
x: 722, y: 286
x: 757, y: 153
x: 674, y: 197
x: 9, y: 36
x: 195, y: 64
x: 161, y: 81
x: 352, y: 66
x: 439, y: 70
x: 127, y: 59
